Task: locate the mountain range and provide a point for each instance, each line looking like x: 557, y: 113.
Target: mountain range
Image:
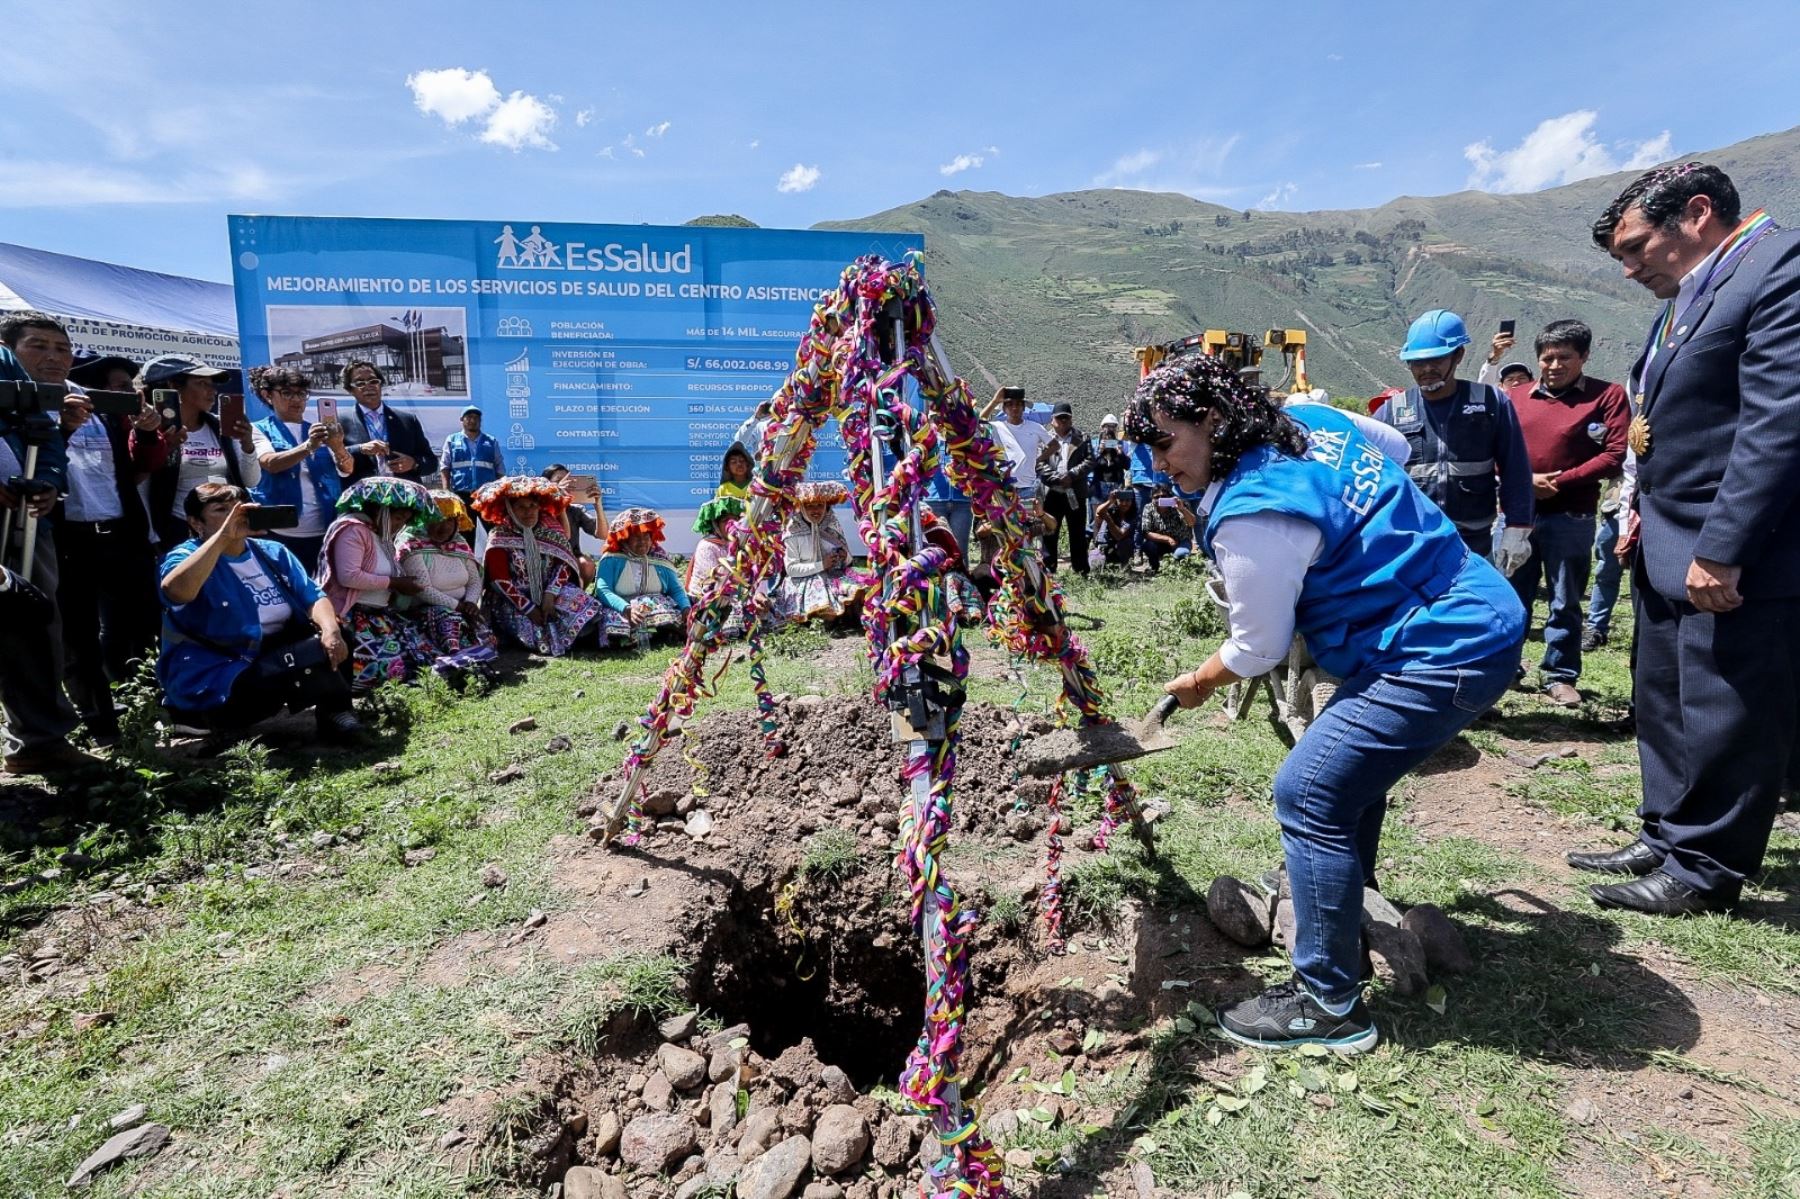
x: 1054, y: 292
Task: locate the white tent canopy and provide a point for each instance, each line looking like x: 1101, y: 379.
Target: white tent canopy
x: 120, y: 310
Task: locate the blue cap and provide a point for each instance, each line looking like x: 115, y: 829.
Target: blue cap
x: 1433, y: 335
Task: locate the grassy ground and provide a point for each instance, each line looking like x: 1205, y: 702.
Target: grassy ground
x: 264, y: 937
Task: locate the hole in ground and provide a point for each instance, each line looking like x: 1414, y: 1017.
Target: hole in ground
x: 863, y: 1000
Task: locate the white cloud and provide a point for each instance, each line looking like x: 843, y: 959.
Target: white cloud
x: 606, y: 152
x: 453, y: 95
x: 756, y: 143
x: 798, y: 178
x: 521, y: 120
x: 1366, y: 166
x: 961, y: 163
x: 1193, y: 169
x: 583, y: 117
x: 630, y: 143
x: 1334, y: 58
x: 76, y: 184
x: 657, y: 130
x: 1135, y: 163
x: 1560, y: 150
x: 1281, y: 195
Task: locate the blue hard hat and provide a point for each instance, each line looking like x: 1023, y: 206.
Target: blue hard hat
x: 1433, y: 335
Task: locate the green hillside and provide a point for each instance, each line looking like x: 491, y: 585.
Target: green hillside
x: 1055, y: 291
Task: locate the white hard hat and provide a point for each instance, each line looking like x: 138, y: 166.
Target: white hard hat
x: 1109, y: 419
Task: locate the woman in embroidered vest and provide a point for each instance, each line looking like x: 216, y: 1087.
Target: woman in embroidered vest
x: 447, y: 605
x: 534, y: 594
x: 817, y: 555
x: 642, y: 593
x: 360, y: 572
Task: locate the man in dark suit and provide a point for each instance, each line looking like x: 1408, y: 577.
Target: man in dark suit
x: 1063, y: 468
x: 1716, y: 434
x: 383, y: 440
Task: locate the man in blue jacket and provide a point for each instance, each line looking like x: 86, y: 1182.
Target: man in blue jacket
x: 1716, y: 582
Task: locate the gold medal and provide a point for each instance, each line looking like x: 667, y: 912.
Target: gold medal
x: 1638, y: 436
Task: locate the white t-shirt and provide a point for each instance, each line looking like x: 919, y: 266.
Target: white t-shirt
x: 93, y: 484
x: 313, y: 517
x: 273, y: 611
x: 1021, y: 443
x: 203, y: 458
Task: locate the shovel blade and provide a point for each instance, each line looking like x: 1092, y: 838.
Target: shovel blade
x: 1088, y: 746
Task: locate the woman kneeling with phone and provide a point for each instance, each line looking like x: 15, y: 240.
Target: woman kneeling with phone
x: 245, y: 632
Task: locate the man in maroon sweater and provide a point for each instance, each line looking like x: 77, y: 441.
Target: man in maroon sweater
x: 1574, y: 431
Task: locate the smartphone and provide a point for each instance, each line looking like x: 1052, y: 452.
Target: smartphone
x: 582, y: 487
x: 231, y: 413
x: 264, y: 517
x: 115, y: 403
x: 1012, y: 393
x: 328, y: 410
x: 1166, y: 501
x: 168, y: 402
x: 1507, y: 327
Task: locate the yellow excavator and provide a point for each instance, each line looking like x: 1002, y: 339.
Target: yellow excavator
x: 1242, y: 351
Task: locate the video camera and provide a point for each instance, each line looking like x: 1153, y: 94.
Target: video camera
x: 30, y: 399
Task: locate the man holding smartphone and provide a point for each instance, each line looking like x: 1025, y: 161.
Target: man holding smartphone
x: 1063, y: 468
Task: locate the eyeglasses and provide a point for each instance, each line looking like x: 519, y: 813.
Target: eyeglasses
x: 293, y: 391
x: 365, y: 381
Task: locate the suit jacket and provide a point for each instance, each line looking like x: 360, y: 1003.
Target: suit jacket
x: 1723, y: 400
x: 1081, y: 465
x: 405, y: 436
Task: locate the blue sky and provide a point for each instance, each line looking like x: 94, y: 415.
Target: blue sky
x: 128, y: 131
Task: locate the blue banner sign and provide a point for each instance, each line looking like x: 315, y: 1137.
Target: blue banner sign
x: 628, y: 352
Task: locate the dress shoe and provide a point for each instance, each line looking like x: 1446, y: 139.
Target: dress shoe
x: 1563, y: 695
x: 1658, y: 894
x: 51, y: 760
x: 1636, y: 858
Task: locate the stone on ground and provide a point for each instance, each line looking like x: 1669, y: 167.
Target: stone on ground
x: 1239, y: 911
x: 656, y: 1142
x: 679, y: 1028
x: 777, y: 1172
x: 141, y: 1141
x: 1445, y: 950
x: 1399, y: 958
x: 839, y: 1139
x: 684, y: 1068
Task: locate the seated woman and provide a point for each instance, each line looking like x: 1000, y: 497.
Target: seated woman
x: 534, y: 595
x: 447, y: 605
x: 245, y: 632
x: 960, y: 593
x: 360, y: 572
x: 712, y: 521
x: 817, y: 554
x: 734, y: 473
x: 1116, y: 527
x: 642, y: 593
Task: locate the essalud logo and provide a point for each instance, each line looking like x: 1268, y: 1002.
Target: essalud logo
x: 535, y: 252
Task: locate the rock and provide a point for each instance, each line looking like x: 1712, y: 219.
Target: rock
x: 1064, y: 1041
x: 131, y: 1117
x: 1378, y: 910
x: 142, y: 1141
x: 74, y: 859
x: 679, y: 1028
x: 822, y: 1190
x: 694, y: 1185
x: 1445, y: 950
x: 613, y: 1187
x: 636, y: 1083
x: 893, y: 1142
x: 999, y: 1127
x: 1018, y: 1159
x: 691, y: 1167
x: 621, y: 730
x: 559, y: 744
x: 724, y: 1063
x: 654, y: 1143
x: 699, y: 823
x: 777, y: 1172
x: 1240, y: 911
x: 725, y: 1036
x: 322, y: 840
x: 88, y: 1021
x: 522, y: 726
x: 797, y: 1065
x: 661, y: 802
x: 684, y: 1068
x: 760, y: 1127
x: 576, y: 1125
x: 1285, y: 924
x: 840, y: 1138
x: 452, y: 1139
x: 796, y: 1117
x: 837, y: 1085
x: 659, y: 1093
x: 636, y: 888
x: 686, y: 804
x: 721, y: 1104
x: 492, y: 876
x: 1399, y: 958
x: 507, y: 774
x: 606, y: 1133
x: 1580, y: 1111
x: 583, y: 1182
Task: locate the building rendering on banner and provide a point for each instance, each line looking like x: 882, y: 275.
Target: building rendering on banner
x: 434, y: 359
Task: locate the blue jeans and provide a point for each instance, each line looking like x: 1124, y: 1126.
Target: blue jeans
x: 1331, y: 795
x: 1562, y: 548
x: 960, y: 516
x: 1608, y: 570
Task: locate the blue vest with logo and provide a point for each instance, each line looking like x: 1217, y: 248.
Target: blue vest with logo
x: 1454, y: 465
x: 1393, y: 585
x: 471, y: 463
x: 319, y: 469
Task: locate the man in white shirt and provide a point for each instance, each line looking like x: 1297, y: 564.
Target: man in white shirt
x: 1021, y: 440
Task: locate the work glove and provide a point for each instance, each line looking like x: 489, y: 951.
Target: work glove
x: 21, y: 600
x: 1515, y: 548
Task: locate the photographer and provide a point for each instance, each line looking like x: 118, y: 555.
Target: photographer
x: 304, y: 464
x: 38, y: 718
x: 245, y: 632
x: 200, y: 448
x: 1166, y: 527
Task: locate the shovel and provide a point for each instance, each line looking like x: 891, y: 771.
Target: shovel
x: 1091, y: 745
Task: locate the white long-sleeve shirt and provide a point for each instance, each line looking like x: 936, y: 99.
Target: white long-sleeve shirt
x: 1263, y: 558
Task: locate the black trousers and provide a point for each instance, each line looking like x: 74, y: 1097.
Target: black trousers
x: 1071, y: 513
x: 1717, y: 699
x: 110, y: 613
x: 258, y: 695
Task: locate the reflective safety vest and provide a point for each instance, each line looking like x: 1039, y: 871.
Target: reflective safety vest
x: 1454, y: 465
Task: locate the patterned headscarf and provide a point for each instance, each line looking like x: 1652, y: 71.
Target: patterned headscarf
x: 634, y: 520
x: 722, y: 506
x: 490, y: 499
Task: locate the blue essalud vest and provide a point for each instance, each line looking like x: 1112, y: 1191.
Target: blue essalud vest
x: 318, y: 467
x: 1393, y: 587
x: 1454, y: 465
